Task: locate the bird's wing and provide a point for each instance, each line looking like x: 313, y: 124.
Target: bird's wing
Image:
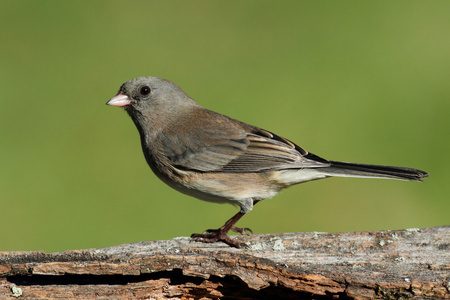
x: 268, y: 151
x: 235, y: 148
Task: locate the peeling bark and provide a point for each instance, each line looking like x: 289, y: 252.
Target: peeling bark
x: 400, y: 264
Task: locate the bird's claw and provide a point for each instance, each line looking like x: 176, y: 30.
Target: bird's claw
x: 241, y: 230
x: 216, y: 235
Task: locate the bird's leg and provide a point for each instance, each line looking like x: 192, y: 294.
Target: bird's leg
x: 243, y: 230
x: 216, y: 235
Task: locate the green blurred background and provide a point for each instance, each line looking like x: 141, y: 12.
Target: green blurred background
x: 354, y: 81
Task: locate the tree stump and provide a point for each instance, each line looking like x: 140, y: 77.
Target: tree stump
x: 398, y: 264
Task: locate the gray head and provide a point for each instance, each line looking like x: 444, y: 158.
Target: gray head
x: 151, y: 100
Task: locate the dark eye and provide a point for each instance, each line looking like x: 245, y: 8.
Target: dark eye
x: 145, y: 90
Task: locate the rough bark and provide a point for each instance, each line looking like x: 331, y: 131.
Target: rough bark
x: 400, y: 264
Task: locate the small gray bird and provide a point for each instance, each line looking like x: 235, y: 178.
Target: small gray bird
x: 216, y: 158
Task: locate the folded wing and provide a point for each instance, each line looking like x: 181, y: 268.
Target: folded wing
x: 240, y: 149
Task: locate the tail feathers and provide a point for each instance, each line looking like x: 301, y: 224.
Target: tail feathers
x: 344, y: 169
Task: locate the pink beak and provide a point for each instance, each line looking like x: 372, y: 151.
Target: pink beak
x: 119, y: 100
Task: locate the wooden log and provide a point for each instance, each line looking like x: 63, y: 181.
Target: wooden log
x: 398, y: 264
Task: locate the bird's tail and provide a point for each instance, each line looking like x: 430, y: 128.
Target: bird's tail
x: 344, y: 169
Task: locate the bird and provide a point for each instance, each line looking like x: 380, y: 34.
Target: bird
x: 216, y: 158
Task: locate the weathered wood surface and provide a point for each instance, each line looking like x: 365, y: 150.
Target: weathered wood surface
x: 400, y: 264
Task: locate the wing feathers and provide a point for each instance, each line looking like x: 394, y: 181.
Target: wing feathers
x: 236, y: 147
x: 254, y: 153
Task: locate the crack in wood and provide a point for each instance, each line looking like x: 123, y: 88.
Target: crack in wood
x: 413, y: 264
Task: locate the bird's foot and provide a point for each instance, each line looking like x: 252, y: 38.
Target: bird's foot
x: 220, y: 235
x: 241, y: 230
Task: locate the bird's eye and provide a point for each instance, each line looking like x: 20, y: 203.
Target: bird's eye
x: 145, y: 90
